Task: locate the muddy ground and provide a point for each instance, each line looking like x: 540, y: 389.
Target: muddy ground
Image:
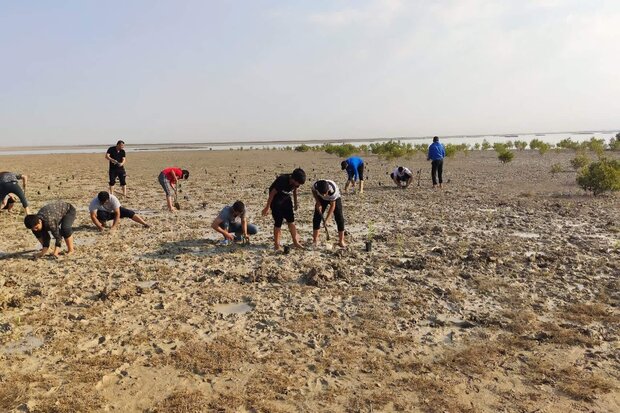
x: 499, y: 293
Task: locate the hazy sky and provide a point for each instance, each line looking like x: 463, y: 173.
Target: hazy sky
x: 196, y: 71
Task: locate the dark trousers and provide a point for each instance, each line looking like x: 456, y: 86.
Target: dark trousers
x: 338, y: 216
x: 104, y: 216
x: 437, y: 171
x: 13, y: 188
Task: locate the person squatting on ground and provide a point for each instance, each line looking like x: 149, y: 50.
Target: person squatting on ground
x: 326, y: 193
x: 402, y: 176
x: 168, y: 179
x: 436, y: 153
x: 9, y: 185
x: 106, y: 207
x: 116, y: 156
x: 56, y: 217
x: 226, y: 223
x: 355, y: 171
x: 282, y: 206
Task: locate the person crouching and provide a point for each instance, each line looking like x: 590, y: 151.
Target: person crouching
x: 326, y: 193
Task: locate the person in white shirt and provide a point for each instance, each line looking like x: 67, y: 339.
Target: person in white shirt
x: 326, y: 193
x: 402, y: 176
x: 106, y: 207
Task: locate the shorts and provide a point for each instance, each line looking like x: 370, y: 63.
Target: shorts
x: 282, y: 209
x: 104, y: 216
x: 360, y: 173
x: 117, y: 173
x: 404, y: 178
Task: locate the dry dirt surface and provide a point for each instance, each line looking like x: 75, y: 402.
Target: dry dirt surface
x: 499, y: 293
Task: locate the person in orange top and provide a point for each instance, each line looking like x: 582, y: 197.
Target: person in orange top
x: 168, y: 179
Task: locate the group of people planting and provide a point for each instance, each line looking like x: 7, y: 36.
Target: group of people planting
x: 57, y: 217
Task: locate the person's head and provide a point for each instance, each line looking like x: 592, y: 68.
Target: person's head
x: 184, y: 174
x: 33, y: 222
x: 343, y: 165
x: 299, y: 176
x: 120, y: 144
x: 435, y: 138
x: 400, y: 169
x: 238, y: 208
x: 322, y: 187
x: 103, y: 197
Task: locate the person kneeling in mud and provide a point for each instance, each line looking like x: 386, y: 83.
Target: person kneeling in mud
x: 106, y: 207
x: 56, y: 217
x: 402, y: 177
x: 226, y: 223
x: 282, y: 206
x: 326, y: 193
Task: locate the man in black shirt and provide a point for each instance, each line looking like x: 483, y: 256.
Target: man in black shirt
x: 282, y: 206
x: 116, y: 156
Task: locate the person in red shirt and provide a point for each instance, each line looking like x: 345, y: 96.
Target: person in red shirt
x: 168, y: 179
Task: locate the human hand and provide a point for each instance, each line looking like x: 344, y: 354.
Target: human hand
x: 265, y: 211
x: 229, y: 236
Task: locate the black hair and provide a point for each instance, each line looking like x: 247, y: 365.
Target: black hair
x: 299, y: 176
x: 31, y: 220
x: 120, y: 142
x: 185, y: 174
x: 435, y: 138
x: 239, y: 206
x: 343, y: 165
x: 400, y: 169
x: 103, y: 196
x: 322, y: 187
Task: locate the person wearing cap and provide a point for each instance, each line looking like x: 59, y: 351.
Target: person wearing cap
x: 168, y: 179
x: 226, y: 223
x: 9, y: 185
x: 355, y: 171
x: 401, y: 176
x: 436, y: 153
x: 106, y: 207
x: 116, y: 156
x: 326, y: 194
x: 283, y: 207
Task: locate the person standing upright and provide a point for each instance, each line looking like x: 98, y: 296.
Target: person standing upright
x: 116, y: 156
x: 436, y: 153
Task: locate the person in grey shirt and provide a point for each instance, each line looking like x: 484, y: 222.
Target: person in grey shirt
x: 226, y: 223
x: 9, y: 185
x: 56, y: 217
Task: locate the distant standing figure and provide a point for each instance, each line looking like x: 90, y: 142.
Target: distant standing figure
x: 436, y: 153
x: 168, y: 179
x: 56, y: 217
x: 402, y: 176
x: 326, y: 193
x: 106, y: 207
x: 225, y: 223
x: 355, y: 171
x: 282, y: 206
x: 116, y: 156
x: 9, y: 185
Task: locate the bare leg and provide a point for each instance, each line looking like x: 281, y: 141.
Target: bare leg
x: 69, y: 241
x: 346, y: 186
x: 277, y: 233
x: 111, y: 191
x: 341, y: 241
x: 137, y: 218
x: 315, y: 236
x: 361, y: 187
x: 294, y: 235
x: 171, y: 208
x: 124, y: 190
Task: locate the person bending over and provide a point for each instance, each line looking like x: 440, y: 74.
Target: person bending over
x: 226, y: 223
x: 168, y: 179
x: 402, y: 176
x: 9, y: 185
x: 56, y: 217
x: 355, y: 171
x: 326, y: 194
x: 106, y: 207
x: 282, y: 206
x: 116, y: 156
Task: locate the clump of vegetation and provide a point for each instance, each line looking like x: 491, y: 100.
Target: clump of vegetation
x: 500, y: 147
x: 543, y: 148
x: 568, y: 143
x: 600, y: 176
x: 579, y: 161
x: 485, y: 145
x: 614, y: 143
x: 595, y: 145
x: 505, y: 156
x: 451, y: 150
x: 520, y: 145
x: 344, y: 150
x: 302, y: 148
x: 556, y: 168
x: 392, y: 149
x: 477, y: 146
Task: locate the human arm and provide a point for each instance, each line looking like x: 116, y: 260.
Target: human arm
x: 122, y: 162
x: 98, y: 224
x: 24, y: 181
x: 330, y: 211
x: 216, y: 226
x: 295, y: 198
x: 272, y: 194
x: 317, y: 202
x: 109, y: 158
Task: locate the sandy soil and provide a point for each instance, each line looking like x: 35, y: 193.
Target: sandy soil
x: 499, y: 293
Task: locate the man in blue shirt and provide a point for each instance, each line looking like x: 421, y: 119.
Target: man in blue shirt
x: 355, y: 170
x: 436, y: 153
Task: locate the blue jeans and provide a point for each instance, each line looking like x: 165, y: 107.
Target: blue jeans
x: 237, y: 229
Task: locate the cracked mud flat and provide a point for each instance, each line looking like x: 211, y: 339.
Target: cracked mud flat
x: 499, y: 293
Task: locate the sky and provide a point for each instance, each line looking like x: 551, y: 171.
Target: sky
x: 149, y: 71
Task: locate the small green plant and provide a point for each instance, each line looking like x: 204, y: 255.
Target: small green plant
x: 505, y: 156
x: 596, y: 145
x: 600, y: 176
x: 536, y: 143
x: 556, y: 168
x: 302, y: 148
x: 614, y: 144
x: 543, y: 148
x: 371, y: 231
x: 477, y: 146
x: 500, y: 147
x: 579, y: 161
x: 520, y: 145
x: 485, y: 145
x: 568, y: 143
x: 451, y: 150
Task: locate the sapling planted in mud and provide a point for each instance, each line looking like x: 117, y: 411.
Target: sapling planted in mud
x: 369, y: 236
